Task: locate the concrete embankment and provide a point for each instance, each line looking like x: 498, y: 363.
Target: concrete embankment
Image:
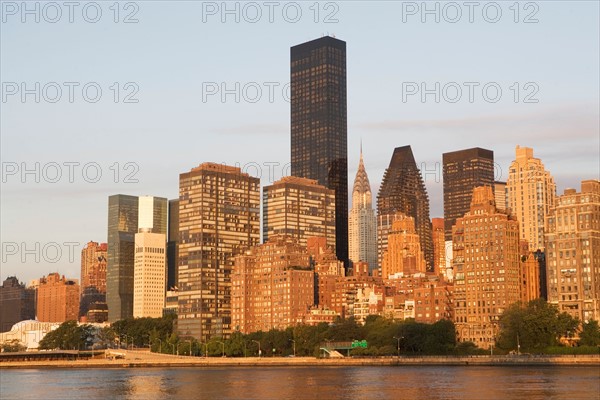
x: 134, y: 359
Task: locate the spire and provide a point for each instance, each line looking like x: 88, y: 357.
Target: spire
x: 362, y: 186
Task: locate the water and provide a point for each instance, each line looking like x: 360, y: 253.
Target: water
x: 426, y: 382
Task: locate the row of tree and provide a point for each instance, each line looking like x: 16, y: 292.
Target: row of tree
x: 534, y: 327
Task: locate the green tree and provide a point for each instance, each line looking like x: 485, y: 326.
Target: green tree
x: 12, y: 346
x: 534, y: 326
x: 590, y: 334
x: 68, y: 336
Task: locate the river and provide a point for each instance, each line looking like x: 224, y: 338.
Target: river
x: 415, y: 382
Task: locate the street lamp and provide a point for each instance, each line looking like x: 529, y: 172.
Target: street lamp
x: 259, y: 352
x: 294, y: 343
x: 222, y: 348
x: 173, y: 348
x: 159, y: 345
x: 190, y: 352
x: 398, y: 340
x: 205, y: 349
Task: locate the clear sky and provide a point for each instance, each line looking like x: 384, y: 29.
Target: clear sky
x: 179, y: 53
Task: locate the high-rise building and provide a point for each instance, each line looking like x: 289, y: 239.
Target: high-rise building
x: 150, y: 274
x: 122, y: 227
x: 362, y: 223
x: 319, y: 123
x: 172, y: 241
x: 125, y: 215
x: 403, y: 254
x: 219, y: 218
x: 272, y: 286
x: 57, y: 299
x: 17, y: 303
x: 531, y: 192
x: 93, y: 266
x: 500, y: 195
x: 403, y: 190
x: 464, y: 170
x: 93, y: 275
x: 300, y: 208
x: 439, y: 246
x: 573, y: 252
x: 487, y: 273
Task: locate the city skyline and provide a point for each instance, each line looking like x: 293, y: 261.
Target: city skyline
x: 558, y: 127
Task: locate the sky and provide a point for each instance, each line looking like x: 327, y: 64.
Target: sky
x: 100, y: 99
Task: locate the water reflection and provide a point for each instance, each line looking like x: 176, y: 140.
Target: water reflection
x: 507, y: 383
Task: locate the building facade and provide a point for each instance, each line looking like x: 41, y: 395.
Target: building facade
x: 57, y: 299
x: 362, y: 223
x: 403, y: 254
x: 126, y: 214
x: 122, y: 227
x: 93, y: 275
x: 319, y: 132
x: 500, y: 195
x: 300, y: 208
x: 219, y: 218
x: 464, y: 170
x: 573, y: 252
x: 172, y: 241
x: 272, y: 286
x: 440, y: 258
x: 403, y: 190
x: 150, y: 274
x: 487, y: 270
x: 17, y: 303
x: 531, y: 192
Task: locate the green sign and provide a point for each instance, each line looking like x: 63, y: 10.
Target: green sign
x: 361, y: 343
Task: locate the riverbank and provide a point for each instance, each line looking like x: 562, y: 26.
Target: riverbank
x: 141, y: 359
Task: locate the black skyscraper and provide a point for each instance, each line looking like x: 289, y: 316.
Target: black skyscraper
x: 464, y: 170
x: 319, y: 123
x: 403, y: 190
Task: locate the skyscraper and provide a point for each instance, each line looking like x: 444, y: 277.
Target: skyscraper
x: 531, y: 192
x: 122, y: 227
x: 150, y: 274
x: 93, y: 275
x: 125, y: 215
x: 172, y: 241
x: 403, y: 190
x: 319, y: 123
x: 300, y: 208
x: 463, y: 171
x: 219, y: 218
x: 573, y: 251
x: 362, y: 223
x: 487, y: 270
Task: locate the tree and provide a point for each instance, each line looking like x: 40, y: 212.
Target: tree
x: 534, y: 326
x: 68, y: 336
x: 12, y: 346
x: 590, y: 334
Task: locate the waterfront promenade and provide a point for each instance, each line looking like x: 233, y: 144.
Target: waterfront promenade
x: 145, y: 359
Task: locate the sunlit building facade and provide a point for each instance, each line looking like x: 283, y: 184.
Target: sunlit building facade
x: 219, y: 218
x: 573, y: 252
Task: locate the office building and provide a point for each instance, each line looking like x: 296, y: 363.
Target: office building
x: 362, y: 223
x: 464, y: 170
x: 319, y: 148
x: 403, y: 190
